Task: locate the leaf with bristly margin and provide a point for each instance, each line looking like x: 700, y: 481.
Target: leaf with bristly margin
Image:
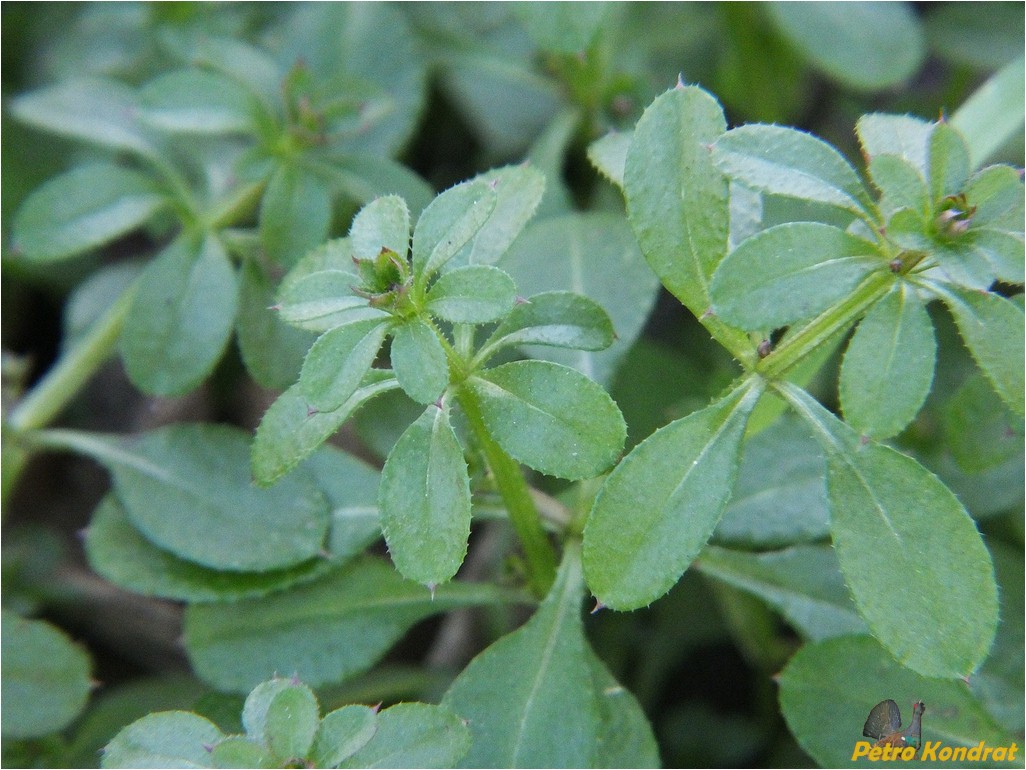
x: 290, y: 431
x: 323, y: 300
x: 46, y: 678
x: 625, y: 736
x: 904, y: 136
x: 164, y: 739
x: 342, y: 733
x: 338, y: 361
x: 887, y: 369
x: 814, y: 680
x: 448, y: 224
x: 414, y: 735
x: 181, y: 318
x: 834, y: 40
x: 96, y: 110
x: 418, y: 361
x: 196, y: 101
x: 336, y: 254
x: 187, y: 488
x: 118, y: 552
x: 994, y: 112
x: 794, y: 164
x: 295, y: 213
x: 272, y: 350
x: 661, y: 503
x: 804, y: 583
x: 292, y: 719
x: 595, y: 255
x: 900, y: 185
x: 323, y: 632
x: 898, y: 531
x: 979, y: 429
x: 363, y: 178
x: 550, y: 418
x: 788, y: 273
x: 949, y: 162
x: 992, y: 328
x: 474, y: 294
x: 994, y: 194
x: 609, y: 155
x: 425, y: 500
x: 677, y: 202
x: 780, y: 495
x: 87, y: 207
x: 529, y: 698
x: 237, y: 751
x: 382, y: 224
x: 555, y: 318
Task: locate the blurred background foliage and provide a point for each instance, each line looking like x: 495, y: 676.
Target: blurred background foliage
x: 467, y: 87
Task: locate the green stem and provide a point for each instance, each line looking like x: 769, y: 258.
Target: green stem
x: 540, y: 555
x: 238, y: 207
x: 53, y: 393
x: 734, y: 340
x: 822, y: 328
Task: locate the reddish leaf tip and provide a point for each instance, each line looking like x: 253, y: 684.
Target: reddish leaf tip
x: 598, y: 606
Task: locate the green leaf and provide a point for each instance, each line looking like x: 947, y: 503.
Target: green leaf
x: 949, y: 162
x: 550, y: 418
x: 474, y: 294
x: 625, y: 737
x: 414, y: 735
x: 419, y: 362
x: 293, y: 717
x: 382, y: 224
x: 788, y: 273
x: 899, y: 532
x: 803, y: 583
x: 295, y: 214
x: 827, y: 726
x: 197, y: 101
x: 94, y: 110
x: 236, y: 751
x: 342, y: 733
x: 188, y: 489
x: 900, y: 185
x: 351, y: 487
x: 119, y: 553
x: 181, y: 318
x: 780, y: 496
x: 87, y: 207
x: 904, y: 136
x: 660, y: 505
x: 338, y: 361
x: 258, y: 705
x: 272, y: 351
x: 994, y: 113
x: 323, y: 300
x: 835, y: 40
x: 993, y: 193
x: 593, y: 254
x: 888, y: 367
x: 323, y: 632
x: 425, y: 500
x: 785, y: 161
x: 1002, y: 252
x: 363, y: 178
x: 164, y: 739
x: 554, y: 318
x: 677, y: 201
x: 609, y: 156
x: 980, y: 430
x: 529, y: 698
x: 992, y: 328
x: 46, y: 678
x: 562, y: 27
x: 449, y: 223
x: 289, y: 431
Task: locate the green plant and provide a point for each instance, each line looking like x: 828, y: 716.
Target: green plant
x: 467, y: 339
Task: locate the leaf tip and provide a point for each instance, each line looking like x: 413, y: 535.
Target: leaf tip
x: 377, y: 706
x: 598, y: 606
x: 431, y: 587
x: 274, y: 308
x: 680, y: 81
x: 208, y: 747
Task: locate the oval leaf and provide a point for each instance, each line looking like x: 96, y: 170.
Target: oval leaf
x: 660, y: 505
x: 556, y: 318
x: 198, y: 101
x: 164, y: 739
x: 474, y: 294
x: 529, y: 697
x: 550, y: 418
x: 295, y: 213
x: 419, y: 362
x: 786, y: 161
x: 181, y: 318
x: 46, y: 678
x: 342, y: 733
x: 383, y: 223
x: 609, y: 156
x: 788, y: 273
x: 323, y: 300
x: 888, y: 367
x: 425, y: 500
x: 82, y: 209
x: 414, y: 735
x: 338, y: 361
x: 448, y: 224
x: 292, y: 720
